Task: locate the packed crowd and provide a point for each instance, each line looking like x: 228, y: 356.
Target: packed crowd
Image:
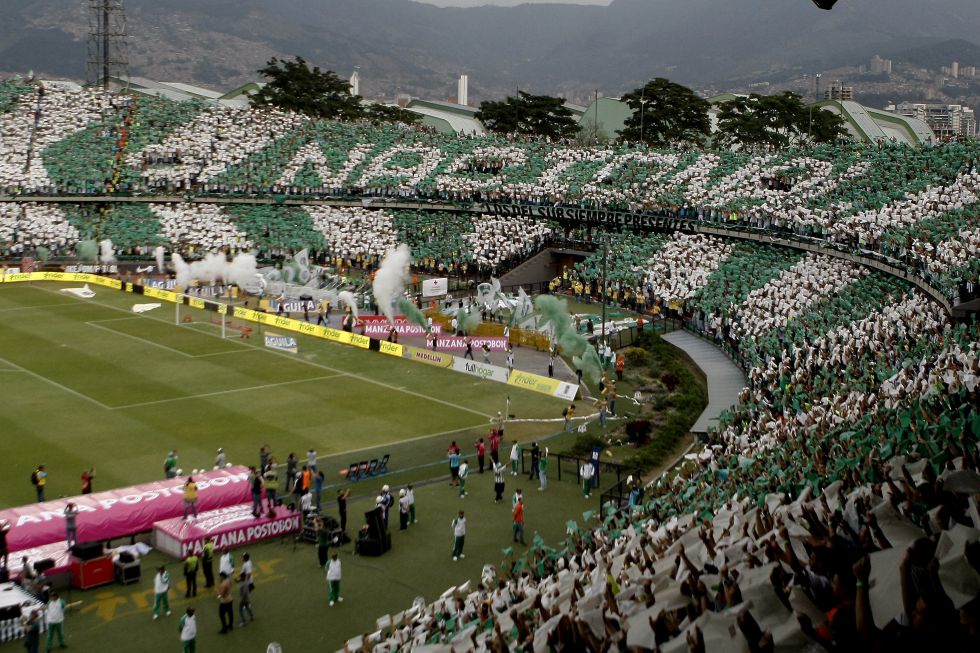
x: 913, y: 206
x: 837, y: 507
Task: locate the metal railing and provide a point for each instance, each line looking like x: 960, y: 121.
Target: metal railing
x: 569, y: 468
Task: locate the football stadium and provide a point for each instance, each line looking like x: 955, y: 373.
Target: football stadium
x: 353, y: 386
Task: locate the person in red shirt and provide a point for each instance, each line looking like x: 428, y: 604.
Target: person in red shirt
x: 481, y: 453
x: 87, y: 477
x: 519, y: 520
x: 495, y: 445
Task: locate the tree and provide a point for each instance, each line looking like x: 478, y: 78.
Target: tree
x: 824, y: 126
x: 294, y: 86
x: 775, y: 121
x: 666, y: 114
x: 385, y: 113
x: 541, y: 116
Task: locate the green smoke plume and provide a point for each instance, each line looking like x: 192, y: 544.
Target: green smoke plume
x: 573, y: 343
x: 555, y: 311
x: 590, y: 365
x: 412, y: 312
x: 469, y: 320
x: 88, y: 251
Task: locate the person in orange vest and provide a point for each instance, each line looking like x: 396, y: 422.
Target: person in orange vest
x: 305, y: 479
x: 620, y: 366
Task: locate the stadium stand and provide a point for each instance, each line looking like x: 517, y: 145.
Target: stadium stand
x: 888, y: 200
x: 836, y: 506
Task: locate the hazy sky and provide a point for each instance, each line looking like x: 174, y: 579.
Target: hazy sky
x: 508, y: 3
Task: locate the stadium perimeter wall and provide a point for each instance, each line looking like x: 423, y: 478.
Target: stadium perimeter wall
x: 517, y: 378
x: 606, y: 218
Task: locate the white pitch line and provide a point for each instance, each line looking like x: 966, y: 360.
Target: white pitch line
x: 45, y: 379
x: 224, y: 392
x: 413, y: 439
x: 301, y: 360
x: 143, y: 340
x: 39, y: 306
x: 97, y: 324
x: 230, y: 351
x: 115, y: 319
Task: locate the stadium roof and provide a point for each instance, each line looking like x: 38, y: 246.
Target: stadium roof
x: 446, y: 117
x: 725, y: 97
x: 178, y: 91
x: 613, y: 114
x: 190, y: 89
x: 875, y: 125
x: 863, y: 123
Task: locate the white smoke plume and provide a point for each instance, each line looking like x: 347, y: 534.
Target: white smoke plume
x: 389, y: 282
x: 106, y: 255
x: 348, y: 298
x: 181, y: 269
x: 158, y: 254
x: 242, y: 269
x: 239, y: 271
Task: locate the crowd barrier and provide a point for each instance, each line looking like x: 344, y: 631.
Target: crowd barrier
x: 524, y: 380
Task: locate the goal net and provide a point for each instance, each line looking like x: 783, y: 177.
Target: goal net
x: 201, y: 313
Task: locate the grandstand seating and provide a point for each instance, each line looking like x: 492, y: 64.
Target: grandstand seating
x: 842, y: 487
x: 914, y: 206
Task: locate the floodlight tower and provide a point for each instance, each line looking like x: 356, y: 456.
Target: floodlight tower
x: 107, y: 52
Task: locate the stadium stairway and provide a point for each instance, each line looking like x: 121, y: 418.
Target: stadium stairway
x: 966, y: 310
x: 541, y: 268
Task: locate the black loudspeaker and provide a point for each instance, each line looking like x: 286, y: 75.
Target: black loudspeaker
x: 376, y: 523
x: 825, y: 4
x: 87, y: 550
x: 10, y: 612
x: 369, y: 547
x: 42, y: 566
x: 376, y: 528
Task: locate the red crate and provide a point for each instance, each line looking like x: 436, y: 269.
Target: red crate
x: 91, y: 573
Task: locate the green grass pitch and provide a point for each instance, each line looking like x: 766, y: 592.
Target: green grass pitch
x: 90, y: 383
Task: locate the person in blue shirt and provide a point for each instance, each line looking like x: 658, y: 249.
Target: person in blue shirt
x: 386, y: 502
x: 318, y: 487
x: 453, y: 464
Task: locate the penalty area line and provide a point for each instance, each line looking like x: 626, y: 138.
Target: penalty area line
x: 37, y: 307
x: 396, y: 442
x: 218, y: 393
x: 41, y: 377
x: 292, y: 357
x: 141, y: 339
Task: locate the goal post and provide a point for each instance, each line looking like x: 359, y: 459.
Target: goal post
x: 190, y: 310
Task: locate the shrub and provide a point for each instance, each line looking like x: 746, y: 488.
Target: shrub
x: 584, y: 444
x: 636, y: 357
x: 638, y: 431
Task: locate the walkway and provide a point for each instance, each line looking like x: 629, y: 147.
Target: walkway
x: 725, y: 378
